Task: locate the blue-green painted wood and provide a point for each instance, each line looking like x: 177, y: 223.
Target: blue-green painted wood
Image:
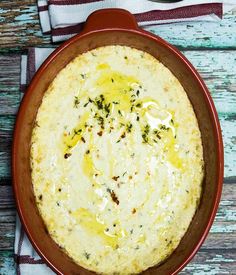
x: 20, y: 28
x: 220, y: 34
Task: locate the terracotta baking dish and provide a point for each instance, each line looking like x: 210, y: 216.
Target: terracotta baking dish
x: 111, y: 27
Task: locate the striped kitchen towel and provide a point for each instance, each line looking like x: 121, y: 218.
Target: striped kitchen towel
x: 64, y: 18
x: 27, y: 260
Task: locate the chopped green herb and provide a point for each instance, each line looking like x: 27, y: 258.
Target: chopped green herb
x: 145, y: 138
x: 112, y: 80
x: 138, y: 105
x: 87, y: 255
x: 82, y: 138
x: 83, y: 75
x: 125, y: 57
x: 76, y: 132
x: 115, y: 102
x: 137, y: 93
x: 145, y: 133
x: 157, y: 134
x: 163, y: 127
x: 107, y: 108
x: 76, y: 102
x: 119, y: 112
x: 129, y: 127
x: 146, y: 129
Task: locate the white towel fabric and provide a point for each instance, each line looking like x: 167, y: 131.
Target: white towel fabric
x: 27, y: 260
x: 57, y: 15
x: 64, y: 18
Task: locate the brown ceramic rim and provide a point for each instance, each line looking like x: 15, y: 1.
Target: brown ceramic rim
x: 105, y: 21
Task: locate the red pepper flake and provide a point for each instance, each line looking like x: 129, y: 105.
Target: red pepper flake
x: 115, y: 178
x: 123, y: 135
x: 82, y: 138
x: 114, y: 197
x: 134, y: 211
x: 67, y: 155
x: 100, y: 133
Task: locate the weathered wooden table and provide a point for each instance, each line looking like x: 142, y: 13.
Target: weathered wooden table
x: 211, y: 47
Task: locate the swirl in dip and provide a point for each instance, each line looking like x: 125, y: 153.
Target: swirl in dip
x: 117, y: 160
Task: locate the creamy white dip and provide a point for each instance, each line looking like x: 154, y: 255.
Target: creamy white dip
x: 117, y: 160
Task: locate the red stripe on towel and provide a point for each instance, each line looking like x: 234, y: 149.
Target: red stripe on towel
x: 71, y: 2
x: 183, y: 12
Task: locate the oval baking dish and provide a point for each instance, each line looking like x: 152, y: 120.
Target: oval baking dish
x: 118, y: 27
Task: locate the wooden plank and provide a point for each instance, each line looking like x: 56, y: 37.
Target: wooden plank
x: 222, y: 234
x: 219, y: 78
x: 7, y: 229
x: 212, y: 263
x: 227, y: 125
x: 20, y: 28
x: 7, y: 200
x: 9, y: 85
x: 200, y: 34
x: 7, y: 265
x: 20, y: 25
x: 205, y: 262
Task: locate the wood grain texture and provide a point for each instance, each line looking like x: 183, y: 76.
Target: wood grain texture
x: 19, y: 28
x: 219, y: 77
x: 222, y: 234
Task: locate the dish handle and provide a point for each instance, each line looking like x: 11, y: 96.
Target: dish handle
x: 110, y: 19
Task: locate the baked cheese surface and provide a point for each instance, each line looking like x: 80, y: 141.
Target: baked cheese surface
x: 117, y: 160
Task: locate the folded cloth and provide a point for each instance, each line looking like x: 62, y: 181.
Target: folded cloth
x: 64, y: 18
x: 28, y: 262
